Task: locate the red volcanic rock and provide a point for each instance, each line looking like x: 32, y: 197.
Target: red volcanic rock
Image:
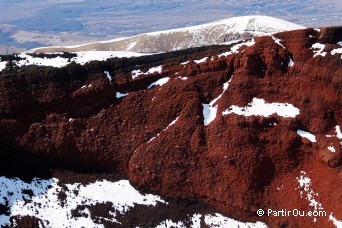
x: 157, y: 137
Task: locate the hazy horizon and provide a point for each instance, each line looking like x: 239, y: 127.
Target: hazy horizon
x: 28, y: 24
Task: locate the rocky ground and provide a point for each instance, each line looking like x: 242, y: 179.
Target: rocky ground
x: 228, y: 129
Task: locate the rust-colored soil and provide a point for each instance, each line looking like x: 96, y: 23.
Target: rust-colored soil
x: 236, y: 164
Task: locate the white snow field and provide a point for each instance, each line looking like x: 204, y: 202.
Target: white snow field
x: 258, y: 107
x: 39, y: 198
x: 44, y: 204
x: 216, y: 32
x: 81, y: 58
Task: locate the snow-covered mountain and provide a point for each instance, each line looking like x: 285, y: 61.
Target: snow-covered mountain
x: 217, y: 32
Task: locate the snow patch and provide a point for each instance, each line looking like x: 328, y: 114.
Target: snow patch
x: 306, y: 188
x: 197, y: 61
x: 40, y: 199
x: 172, y: 123
x: 30, y: 60
x: 336, y: 222
x: 209, y: 113
x: 291, y: 63
x: 120, y: 95
x: 336, y: 50
x: 183, y: 78
x: 86, y: 86
x: 137, y: 73
x: 201, y: 60
x: 307, y: 135
x: 108, y: 75
x: 159, y: 82
x: 81, y: 58
x: 338, y: 132
x: 2, y: 65
x: 170, y: 224
x: 234, y: 49
x: 258, y: 107
x: 219, y: 220
x: 216, y: 220
x: 277, y: 41
x: 87, y: 56
x: 332, y: 149
x: 196, y: 220
x: 318, y: 49
x: 305, y: 184
x: 210, y: 110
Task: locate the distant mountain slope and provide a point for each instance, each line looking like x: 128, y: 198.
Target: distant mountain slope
x: 207, y: 34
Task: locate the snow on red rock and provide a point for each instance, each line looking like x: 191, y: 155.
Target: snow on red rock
x: 215, y: 153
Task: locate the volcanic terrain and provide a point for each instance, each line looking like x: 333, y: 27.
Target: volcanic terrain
x: 212, y: 131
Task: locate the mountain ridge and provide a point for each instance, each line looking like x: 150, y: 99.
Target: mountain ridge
x: 216, y: 32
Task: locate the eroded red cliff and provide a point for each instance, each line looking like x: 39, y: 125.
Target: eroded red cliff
x: 158, y: 138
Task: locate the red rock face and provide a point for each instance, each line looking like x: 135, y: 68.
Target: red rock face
x: 157, y: 137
